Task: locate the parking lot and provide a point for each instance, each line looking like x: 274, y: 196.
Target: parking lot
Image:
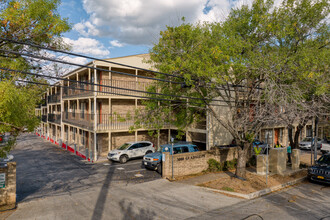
x: 45, y: 169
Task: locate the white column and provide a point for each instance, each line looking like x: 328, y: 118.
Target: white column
x: 95, y: 115
x: 109, y: 141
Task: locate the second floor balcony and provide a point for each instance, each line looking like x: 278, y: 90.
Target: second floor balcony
x: 104, y: 122
x: 55, y: 118
x: 44, y: 118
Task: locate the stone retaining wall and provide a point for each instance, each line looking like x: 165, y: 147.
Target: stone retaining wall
x: 8, y: 193
x: 195, y: 162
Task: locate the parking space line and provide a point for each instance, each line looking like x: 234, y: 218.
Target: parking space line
x: 126, y: 164
x: 130, y: 171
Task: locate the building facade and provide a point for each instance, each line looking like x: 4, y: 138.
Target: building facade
x: 92, y: 110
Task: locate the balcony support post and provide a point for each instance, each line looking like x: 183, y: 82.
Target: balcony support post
x: 55, y: 139
x: 109, y: 142
x: 62, y: 110
x: 95, y: 115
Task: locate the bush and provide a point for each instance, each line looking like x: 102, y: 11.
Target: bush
x: 252, y: 161
x: 229, y: 165
x: 214, y: 166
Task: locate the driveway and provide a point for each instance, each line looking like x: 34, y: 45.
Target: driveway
x: 54, y: 184
x: 44, y: 169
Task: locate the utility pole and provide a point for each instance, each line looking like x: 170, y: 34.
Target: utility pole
x: 315, y: 139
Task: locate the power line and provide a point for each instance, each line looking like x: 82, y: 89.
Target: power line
x: 144, y: 97
x: 87, y: 57
x: 107, y: 86
x: 85, y: 66
x: 116, y: 63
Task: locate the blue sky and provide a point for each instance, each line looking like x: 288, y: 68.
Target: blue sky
x: 112, y: 28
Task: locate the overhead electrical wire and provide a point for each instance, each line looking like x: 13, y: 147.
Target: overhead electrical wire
x: 87, y: 57
x: 107, y: 86
x: 107, y: 61
x: 85, y: 66
x: 113, y: 93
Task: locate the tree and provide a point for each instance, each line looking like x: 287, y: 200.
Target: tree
x: 29, y: 21
x: 231, y: 63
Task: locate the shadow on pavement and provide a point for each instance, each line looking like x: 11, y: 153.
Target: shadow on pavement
x: 101, y: 200
x: 129, y: 213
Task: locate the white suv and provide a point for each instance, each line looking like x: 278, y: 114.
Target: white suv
x: 131, y: 150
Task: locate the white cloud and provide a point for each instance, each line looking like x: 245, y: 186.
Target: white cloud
x: 140, y: 21
x: 116, y: 43
x: 88, y: 46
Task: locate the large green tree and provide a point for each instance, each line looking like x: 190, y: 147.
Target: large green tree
x: 30, y: 21
x: 230, y: 66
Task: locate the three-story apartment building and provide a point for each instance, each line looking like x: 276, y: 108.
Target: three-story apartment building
x: 92, y: 109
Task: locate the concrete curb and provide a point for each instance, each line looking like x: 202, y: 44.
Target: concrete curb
x: 258, y: 193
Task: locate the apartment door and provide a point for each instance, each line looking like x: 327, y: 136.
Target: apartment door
x: 100, y: 112
x: 277, y: 131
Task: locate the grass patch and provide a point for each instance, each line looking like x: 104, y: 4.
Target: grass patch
x: 228, y: 189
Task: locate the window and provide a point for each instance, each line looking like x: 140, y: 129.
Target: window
x: 185, y: 149
x: 144, y: 144
x: 134, y: 146
x: 177, y: 150
x: 195, y: 148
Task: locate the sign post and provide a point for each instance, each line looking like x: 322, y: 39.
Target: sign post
x: 172, y: 140
x: 2, y: 180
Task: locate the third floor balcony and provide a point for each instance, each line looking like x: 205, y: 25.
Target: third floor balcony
x: 56, y: 98
x: 106, y: 88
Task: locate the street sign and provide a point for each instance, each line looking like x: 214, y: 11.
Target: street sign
x: 2, y: 180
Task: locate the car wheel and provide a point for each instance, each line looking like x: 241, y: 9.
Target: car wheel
x: 159, y: 168
x: 148, y: 152
x: 123, y: 159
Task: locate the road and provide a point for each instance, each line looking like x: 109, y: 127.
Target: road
x: 304, y: 201
x: 44, y: 169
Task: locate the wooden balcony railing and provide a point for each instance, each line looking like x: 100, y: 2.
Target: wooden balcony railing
x: 44, y: 118
x: 54, y: 98
x: 104, y: 122
x: 82, y: 89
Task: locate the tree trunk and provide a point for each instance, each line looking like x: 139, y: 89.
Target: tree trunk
x: 296, y: 137
x: 290, y: 127
x: 241, y: 161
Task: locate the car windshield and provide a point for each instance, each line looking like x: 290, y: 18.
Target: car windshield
x: 124, y: 146
x: 325, y: 159
x: 307, y: 139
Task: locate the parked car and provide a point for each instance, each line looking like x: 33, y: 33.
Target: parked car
x: 325, y: 146
x: 320, y: 172
x: 154, y: 160
x: 8, y: 158
x: 131, y: 150
x: 307, y: 142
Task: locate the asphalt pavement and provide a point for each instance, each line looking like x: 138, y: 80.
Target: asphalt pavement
x: 54, y: 184
x: 45, y: 169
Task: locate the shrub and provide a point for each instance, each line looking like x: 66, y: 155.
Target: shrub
x: 214, y: 165
x: 229, y: 165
